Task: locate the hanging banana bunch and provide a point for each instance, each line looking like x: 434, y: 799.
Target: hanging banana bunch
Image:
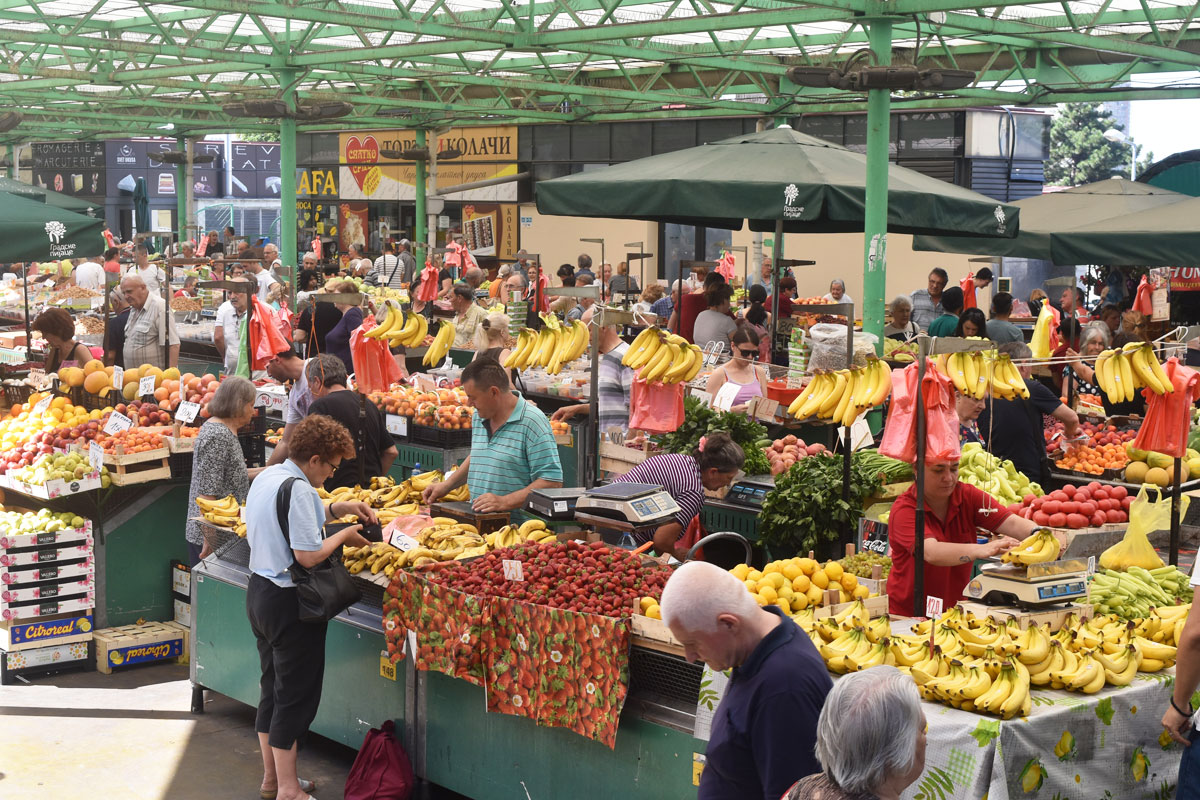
x: 843, y: 395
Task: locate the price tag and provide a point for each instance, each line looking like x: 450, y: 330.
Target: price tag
x: 513, y: 570
x: 146, y: 385
x: 38, y: 379
x: 933, y: 607
x: 560, y: 506
x: 396, y: 424
x: 42, y: 405
x: 1091, y: 566
x: 702, y: 396
x: 402, y: 541
x: 725, y: 396
x: 118, y: 377
x: 117, y: 422
x: 95, y: 456
x: 386, y: 668
x: 187, y: 411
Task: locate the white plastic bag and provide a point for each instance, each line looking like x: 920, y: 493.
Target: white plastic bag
x: 829, y: 347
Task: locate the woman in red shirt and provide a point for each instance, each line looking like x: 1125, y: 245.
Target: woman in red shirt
x: 953, y: 512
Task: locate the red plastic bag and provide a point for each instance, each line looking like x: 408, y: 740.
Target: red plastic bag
x: 459, y: 259
x: 1143, y: 301
x: 967, y: 285
x: 1168, y: 416
x: 265, y: 338
x: 941, y: 422
x: 381, y: 769
x: 726, y: 264
x: 375, y: 369
x: 655, y: 407
x: 428, y: 290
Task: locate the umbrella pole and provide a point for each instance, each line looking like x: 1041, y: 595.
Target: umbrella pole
x: 28, y: 326
x: 775, y: 285
x: 679, y: 306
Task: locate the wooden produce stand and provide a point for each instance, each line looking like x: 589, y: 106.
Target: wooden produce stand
x: 126, y: 469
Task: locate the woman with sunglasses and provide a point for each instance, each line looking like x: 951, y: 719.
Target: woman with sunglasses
x: 741, y: 370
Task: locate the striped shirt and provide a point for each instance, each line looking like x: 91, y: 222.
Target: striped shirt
x: 679, y: 475
x: 520, y: 452
x: 146, y: 337
x: 924, y: 310
x: 613, y: 388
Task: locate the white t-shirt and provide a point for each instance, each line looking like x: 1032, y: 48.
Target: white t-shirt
x: 152, y: 276
x: 828, y: 298
x: 227, y: 321
x: 90, y: 275
x: 265, y: 279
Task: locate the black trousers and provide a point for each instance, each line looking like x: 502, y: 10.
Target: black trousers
x: 292, y: 657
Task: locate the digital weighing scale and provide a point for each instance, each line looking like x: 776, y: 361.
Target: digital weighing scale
x: 553, y: 504
x: 1033, y: 585
x: 750, y: 491
x: 637, y: 504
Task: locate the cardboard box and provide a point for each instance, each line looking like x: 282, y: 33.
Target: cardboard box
x: 62, y: 629
x: 181, y: 579
x: 45, y: 539
x: 17, y: 576
x: 46, y: 590
x: 85, y: 601
x: 183, y: 613
x: 48, y: 555
x: 54, y: 488
x: 140, y: 644
x: 55, y: 654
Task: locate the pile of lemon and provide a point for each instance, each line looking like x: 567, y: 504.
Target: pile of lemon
x: 795, y: 584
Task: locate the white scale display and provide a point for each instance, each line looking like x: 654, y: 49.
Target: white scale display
x: 633, y: 502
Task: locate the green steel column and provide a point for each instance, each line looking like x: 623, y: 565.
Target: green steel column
x: 875, y: 224
x: 12, y: 163
x: 181, y: 191
x: 419, y: 229
x: 287, y: 191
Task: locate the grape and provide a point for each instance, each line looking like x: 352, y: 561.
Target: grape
x: 860, y: 564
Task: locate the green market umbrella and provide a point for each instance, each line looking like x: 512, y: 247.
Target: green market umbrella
x: 141, y: 209
x: 1066, y: 228
x: 779, y: 175
x: 28, y: 190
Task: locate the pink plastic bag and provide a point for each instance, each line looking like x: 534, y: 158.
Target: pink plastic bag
x: 1168, y: 416
x: 1143, y: 300
x: 655, y: 407
x: 941, y: 421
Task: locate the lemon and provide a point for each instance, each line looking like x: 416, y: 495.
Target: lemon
x: 792, y: 570
x: 768, y: 594
x: 833, y: 571
x: 808, y: 566
x: 762, y: 601
x: 751, y: 585
x: 776, y: 578
x: 849, y: 582
x: 771, y: 568
x: 820, y: 579
x: 754, y: 575
x: 741, y: 571
x: 801, y: 584
x: 799, y: 602
x: 653, y: 612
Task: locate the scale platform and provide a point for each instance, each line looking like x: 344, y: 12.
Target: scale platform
x: 1031, y: 586
x: 639, y: 504
x: 750, y: 491
x: 553, y: 504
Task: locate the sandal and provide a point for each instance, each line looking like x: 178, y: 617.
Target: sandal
x: 305, y: 786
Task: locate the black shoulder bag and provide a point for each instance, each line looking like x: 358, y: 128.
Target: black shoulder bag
x: 323, y: 591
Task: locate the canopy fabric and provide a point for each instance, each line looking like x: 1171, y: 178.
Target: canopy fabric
x: 813, y: 186
x: 47, y: 196
x: 34, y: 231
x: 1063, y: 227
x: 1168, y: 236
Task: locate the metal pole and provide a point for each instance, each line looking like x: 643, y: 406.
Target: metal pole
x: 879, y: 33
x: 180, y: 198
x: 28, y: 326
x: 847, y: 442
x: 919, y: 475
x: 593, y: 423
x: 287, y: 191
x: 776, y: 252
x: 1132, y: 161
x: 11, y: 155
x: 422, y: 225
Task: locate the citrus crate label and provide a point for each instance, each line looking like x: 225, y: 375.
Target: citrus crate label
x: 141, y: 653
x: 50, y: 630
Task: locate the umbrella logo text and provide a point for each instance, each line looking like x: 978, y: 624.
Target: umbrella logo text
x: 55, y: 230
x: 1000, y: 219
x: 790, y: 193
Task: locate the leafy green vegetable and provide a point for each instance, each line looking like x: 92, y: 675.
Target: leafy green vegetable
x: 893, y: 470
x: 700, y: 420
x: 805, y: 510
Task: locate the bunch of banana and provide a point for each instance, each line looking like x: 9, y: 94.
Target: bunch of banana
x: 1038, y: 548
x: 392, y: 321
x: 224, y: 513
x: 448, y: 539
x: 1119, y: 373
x: 419, y: 483
x: 843, y: 395
x: 376, y: 557
x: 460, y: 495
x: 976, y: 373
x: 553, y: 346
x: 663, y: 357
x: 533, y: 530
x: 408, y: 329
x: 382, y: 482
x: 440, y: 345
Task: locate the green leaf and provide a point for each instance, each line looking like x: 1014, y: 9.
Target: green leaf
x: 1104, y: 710
x: 986, y: 731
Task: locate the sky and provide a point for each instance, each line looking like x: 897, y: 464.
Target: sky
x: 1165, y: 126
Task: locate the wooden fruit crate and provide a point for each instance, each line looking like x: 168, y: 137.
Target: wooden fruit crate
x: 619, y: 459
x: 140, y: 644
x: 127, y: 469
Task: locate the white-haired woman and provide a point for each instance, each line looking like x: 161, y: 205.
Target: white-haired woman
x: 902, y: 327
x: 870, y: 739
x: 1095, y: 339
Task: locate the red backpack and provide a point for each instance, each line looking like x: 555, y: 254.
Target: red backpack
x: 381, y: 770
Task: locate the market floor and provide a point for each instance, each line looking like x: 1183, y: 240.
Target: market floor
x: 131, y: 735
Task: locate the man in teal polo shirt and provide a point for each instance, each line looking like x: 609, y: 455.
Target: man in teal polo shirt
x: 512, y: 448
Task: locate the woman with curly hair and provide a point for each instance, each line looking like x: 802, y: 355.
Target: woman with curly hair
x: 291, y: 652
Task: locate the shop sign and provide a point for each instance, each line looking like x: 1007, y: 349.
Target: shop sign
x: 486, y: 143
x: 82, y: 183
x: 68, y: 155
x: 316, y: 183
x: 1185, y: 279
x: 490, y: 229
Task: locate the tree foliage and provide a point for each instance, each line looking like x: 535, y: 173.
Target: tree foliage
x: 269, y: 137
x: 1079, y: 153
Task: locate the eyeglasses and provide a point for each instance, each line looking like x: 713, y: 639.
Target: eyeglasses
x: 747, y: 353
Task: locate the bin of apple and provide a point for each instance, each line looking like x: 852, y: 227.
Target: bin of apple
x: 785, y: 452
x: 1077, y: 507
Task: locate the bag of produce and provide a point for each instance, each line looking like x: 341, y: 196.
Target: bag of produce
x: 1168, y: 416
x: 1044, y: 330
x: 941, y: 421
x: 829, y: 347
x: 1145, y: 515
x: 655, y: 407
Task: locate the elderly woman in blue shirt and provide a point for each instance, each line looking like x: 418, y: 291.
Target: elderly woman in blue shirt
x: 291, y: 652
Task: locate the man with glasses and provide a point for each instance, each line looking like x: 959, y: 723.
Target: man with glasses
x: 927, y: 303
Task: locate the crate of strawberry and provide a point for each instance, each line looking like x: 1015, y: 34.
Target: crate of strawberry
x: 588, y: 578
